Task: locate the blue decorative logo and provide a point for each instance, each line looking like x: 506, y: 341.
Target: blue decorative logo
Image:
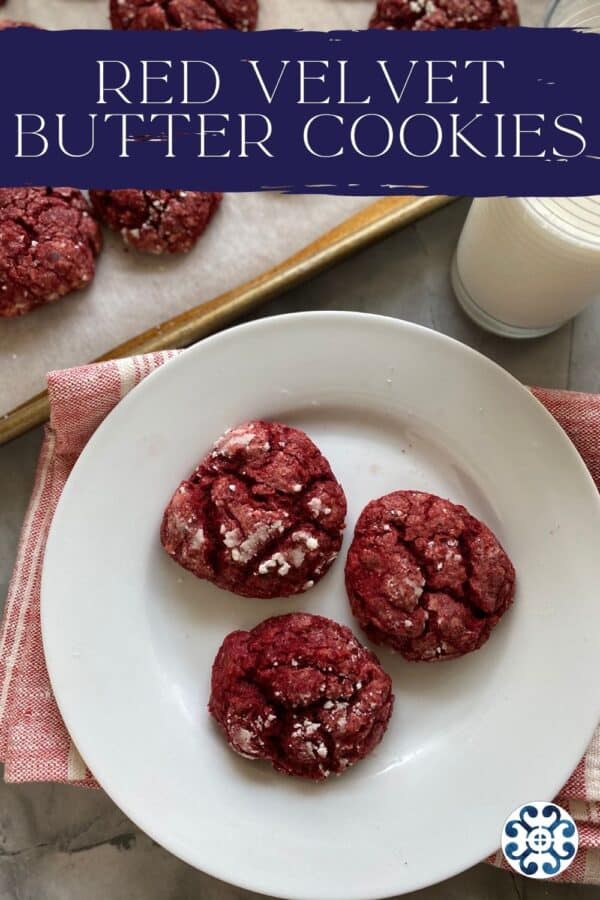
x: 539, y: 840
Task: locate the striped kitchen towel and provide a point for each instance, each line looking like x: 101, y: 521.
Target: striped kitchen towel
x: 34, y: 743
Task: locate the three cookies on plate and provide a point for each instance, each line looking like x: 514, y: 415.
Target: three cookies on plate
x: 263, y: 515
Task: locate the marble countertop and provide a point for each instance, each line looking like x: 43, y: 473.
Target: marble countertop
x: 65, y: 843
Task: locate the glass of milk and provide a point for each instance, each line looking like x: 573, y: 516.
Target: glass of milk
x: 525, y: 266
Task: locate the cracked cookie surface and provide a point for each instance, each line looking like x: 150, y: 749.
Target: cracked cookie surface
x: 300, y: 691
x: 49, y: 241
x: 156, y: 221
x: 426, y: 577
x: 262, y: 515
x: 430, y: 15
x: 176, y: 15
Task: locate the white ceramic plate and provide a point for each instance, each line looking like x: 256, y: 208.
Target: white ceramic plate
x: 130, y: 637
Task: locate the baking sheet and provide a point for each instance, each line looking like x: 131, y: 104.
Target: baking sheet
x: 130, y: 293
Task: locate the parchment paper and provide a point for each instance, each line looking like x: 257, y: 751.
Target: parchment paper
x: 131, y: 292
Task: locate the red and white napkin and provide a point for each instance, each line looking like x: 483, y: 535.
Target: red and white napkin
x: 34, y: 743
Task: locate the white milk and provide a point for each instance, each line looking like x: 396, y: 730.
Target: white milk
x: 523, y: 267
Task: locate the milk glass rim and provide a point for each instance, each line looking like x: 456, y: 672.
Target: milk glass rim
x: 555, y: 4
x: 550, y: 12
x: 567, y: 233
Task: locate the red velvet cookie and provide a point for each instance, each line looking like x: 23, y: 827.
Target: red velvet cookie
x: 48, y: 245
x: 175, y: 15
x: 262, y: 515
x: 156, y: 221
x: 426, y: 577
x: 300, y: 691
x: 429, y: 15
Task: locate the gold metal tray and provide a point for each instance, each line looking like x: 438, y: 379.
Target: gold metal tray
x: 369, y: 225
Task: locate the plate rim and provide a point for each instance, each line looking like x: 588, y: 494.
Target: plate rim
x: 53, y: 657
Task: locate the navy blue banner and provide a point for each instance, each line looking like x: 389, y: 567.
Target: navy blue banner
x: 509, y: 111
